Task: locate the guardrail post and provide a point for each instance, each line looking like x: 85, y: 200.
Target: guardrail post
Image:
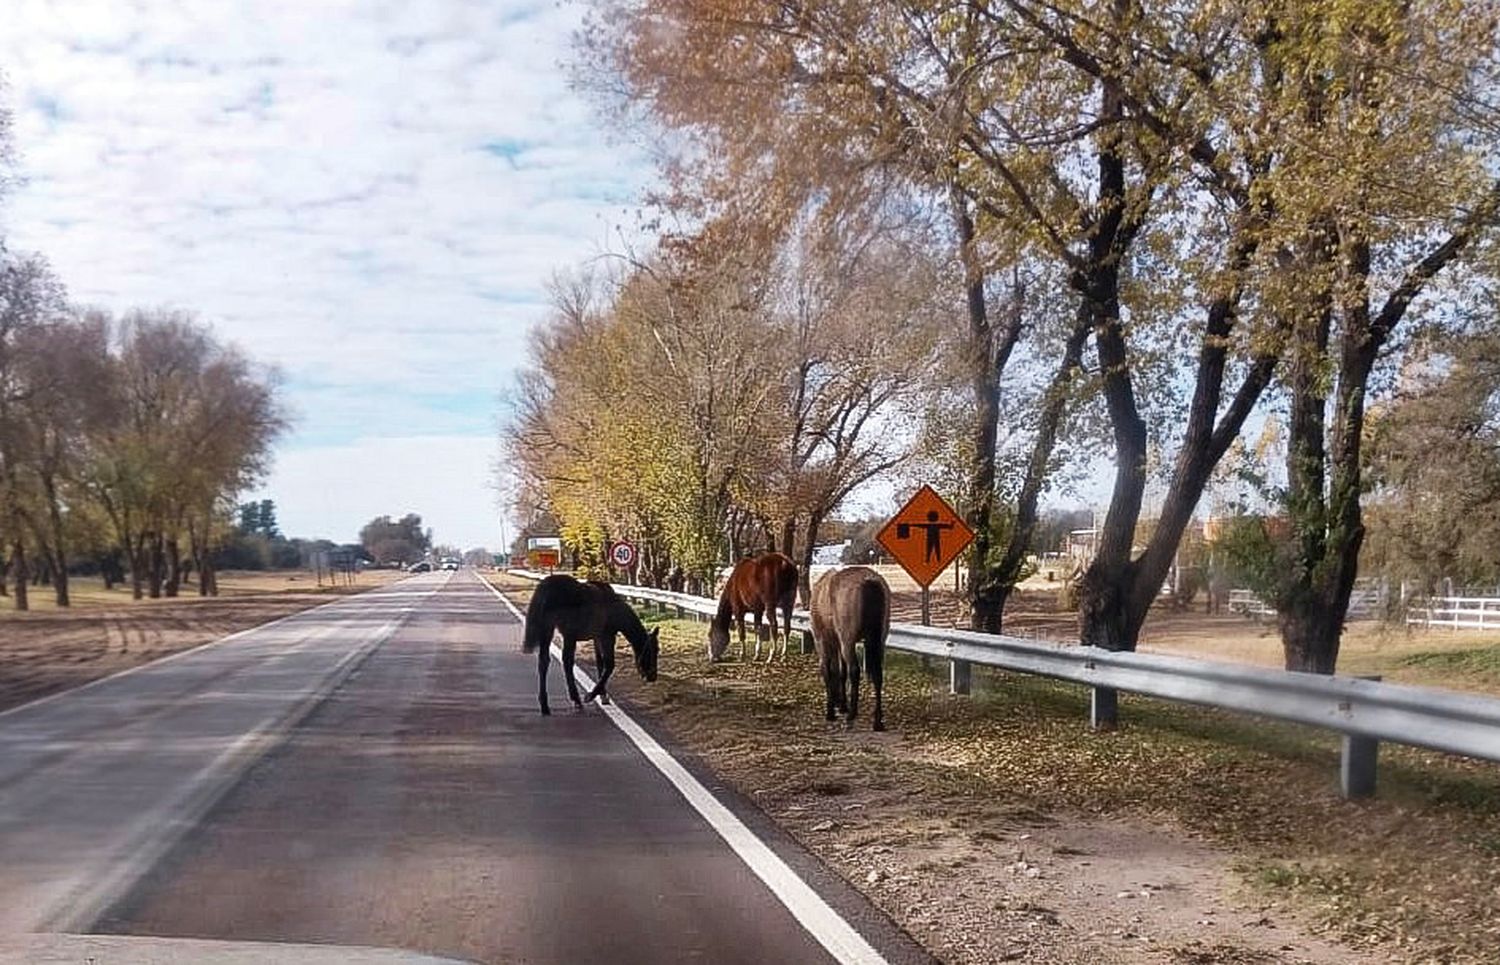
x: 958, y: 676
x: 1104, y: 708
x: 1357, y: 761
x: 1357, y: 766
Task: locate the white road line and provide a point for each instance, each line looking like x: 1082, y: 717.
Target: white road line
x: 836, y: 935
x: 159, y: 661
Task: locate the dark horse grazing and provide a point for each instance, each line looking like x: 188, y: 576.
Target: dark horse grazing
x: 584, y: 611
x: 757, y: 585
x: 849, y: 606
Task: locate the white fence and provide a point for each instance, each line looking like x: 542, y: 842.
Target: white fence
x: 1365, y: 603
x: 1364, y: 711
x: 1457, y: 612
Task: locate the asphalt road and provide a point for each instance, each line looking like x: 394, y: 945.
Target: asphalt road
x: 374, y: 773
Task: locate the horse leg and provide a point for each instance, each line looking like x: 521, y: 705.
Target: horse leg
x: 840, y: 676
x: 570, y: 646
x: 851, y: 660
x: 875, y: 657
x: 827, y: 657
x: 604, y: 662
x: 740, y: 619
x: 609, y: 670
x: 543, y: 660
x: 759, y: 633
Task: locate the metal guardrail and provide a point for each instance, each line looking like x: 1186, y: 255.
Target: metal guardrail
x: 1365, y: 711
x: 1456, y: 612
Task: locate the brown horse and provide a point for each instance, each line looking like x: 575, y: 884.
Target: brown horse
x: 849, y: 606
x: 584, y: 611
x: 757, y: 585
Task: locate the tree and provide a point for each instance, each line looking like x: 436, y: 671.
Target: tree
x: 1434, y: 464
x: 395, y: 541
x: 266, y: 518
x: 846, y: 103
x: 67, y: 360
x: 194, y: 423
x: 31, y: 297
x: 1392, y: 122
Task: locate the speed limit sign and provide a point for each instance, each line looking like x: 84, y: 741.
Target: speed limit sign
x: 622, y: 554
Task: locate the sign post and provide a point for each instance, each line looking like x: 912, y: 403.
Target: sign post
x: 925, y: 536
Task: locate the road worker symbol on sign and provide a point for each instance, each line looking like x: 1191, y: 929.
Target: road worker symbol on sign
x: 925, y: 536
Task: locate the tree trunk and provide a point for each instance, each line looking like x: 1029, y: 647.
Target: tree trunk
x: 1103, y: 618
x: 156, y: 563
x: 804, y: 568
x: 1310, y: 636
x: 135, y: 553
x: 985, y: 367
x: 197, y: 546
x: 173, y: 568
x: 18, y: 571
x: 60, y: 584
x: 58, y: 541
x: 1103, y: 594
x: 1324, y: 475
x: 788, y: 535
x: 200, y: 560
x: 734, y: 539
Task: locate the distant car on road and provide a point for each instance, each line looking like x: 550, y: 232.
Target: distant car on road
x: 450, y: 564
x: 421, y: 566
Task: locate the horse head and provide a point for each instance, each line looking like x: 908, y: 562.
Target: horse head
x: 646, y: 654
x: 718, y: 639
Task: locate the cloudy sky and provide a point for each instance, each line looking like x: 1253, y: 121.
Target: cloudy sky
x: 369, y: 195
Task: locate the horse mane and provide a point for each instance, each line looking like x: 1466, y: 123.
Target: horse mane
x: 726, y: 610
x: 629, y: 623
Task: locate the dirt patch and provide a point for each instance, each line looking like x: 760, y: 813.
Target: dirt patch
x: 996, y: 827
x: 47, y: 649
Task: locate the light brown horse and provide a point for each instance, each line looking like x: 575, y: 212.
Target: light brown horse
x: 849, y: 606
x: 757, y: 585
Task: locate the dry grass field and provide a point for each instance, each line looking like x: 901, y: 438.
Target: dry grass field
x: 48, y: 649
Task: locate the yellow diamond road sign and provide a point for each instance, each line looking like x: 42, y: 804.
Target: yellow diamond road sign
x: 925, y: 536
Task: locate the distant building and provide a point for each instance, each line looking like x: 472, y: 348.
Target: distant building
x: 1082, y: 545
x: 830, y: 554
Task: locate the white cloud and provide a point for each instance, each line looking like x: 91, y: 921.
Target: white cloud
x: 367, y: 194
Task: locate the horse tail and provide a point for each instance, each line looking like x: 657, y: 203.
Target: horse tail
x: 786, y: 583
x: 538, y: 632
x: 874, y: 618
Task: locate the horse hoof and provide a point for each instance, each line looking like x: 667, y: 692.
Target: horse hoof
x: 590, y: 698
x: 604, y: 699
x: 546, y: 711
x: 879, y: 725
